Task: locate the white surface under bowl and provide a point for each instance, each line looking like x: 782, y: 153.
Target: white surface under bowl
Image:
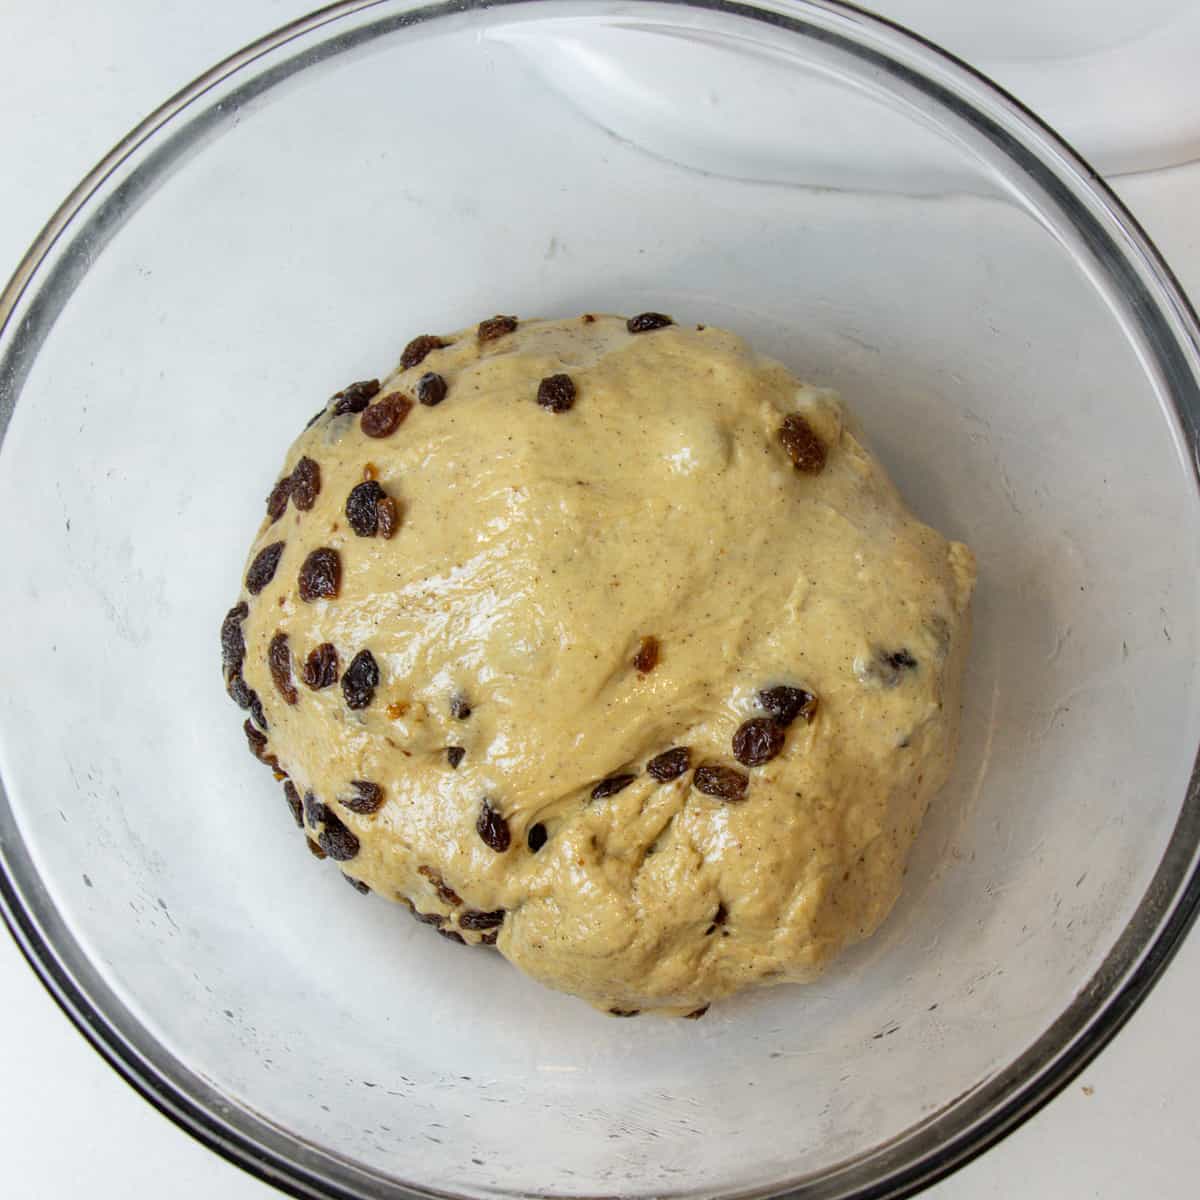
x: 1018, y: 359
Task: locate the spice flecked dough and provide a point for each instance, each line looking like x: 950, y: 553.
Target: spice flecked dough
x: 607, y: 643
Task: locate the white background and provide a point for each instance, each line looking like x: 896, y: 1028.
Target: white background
x: 74, y: 77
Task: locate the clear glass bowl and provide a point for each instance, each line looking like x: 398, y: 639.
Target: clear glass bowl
x: 858, y: 205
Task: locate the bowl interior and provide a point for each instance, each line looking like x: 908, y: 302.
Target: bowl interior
x: 385, y: 176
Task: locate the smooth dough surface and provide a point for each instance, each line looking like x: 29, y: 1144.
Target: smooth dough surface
x: 535, y: 550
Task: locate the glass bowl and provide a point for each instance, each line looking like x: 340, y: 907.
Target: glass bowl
x: 854, y: 202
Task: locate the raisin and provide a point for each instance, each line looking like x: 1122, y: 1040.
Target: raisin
x: 233, y: 643
x: 431, y: 389
x: 336, y: 840
x: 624, y: 1012
x: 262, y: 569
x: 355, y: 397
x: 369, y: 797
x: 256, y: 711
x: 358, y: 885
x: 360, y: 680
x: 492, y: 828
x: 495, y: 327
x: 647, y: 321
x: 588, y: 319
x: 696, y: 1013
x: 418, y: 348
x: 455, y: 755
x: 256, y: 741
x: 804, y: 448
x: 321, y: 667
x: 785, y: 704
x: 474, y: 919
x: 723, y: 782
x: 452, y: 935
x: 240, y: 691
x: 670, y: 764
x: 277, y: 501
x: 886, y: 668
x: 314, y: 849
x: 900, y: 660
x: 389, y: 517
x: 757, y: 741
x: 279, y: 659
x: 314, y: 811
x: 306, y: 484
x: 446, y: 894
x: 383, y: 418
x: 611, y: 786
x: 460, y: 708
x: 434, y: 919
x: 536, y: 838
x: 556, y: 392
x: 362, y: 508
x: 489, y: 938
x: 320, y: 575
x: 293, y: 802
x: 646, y: 658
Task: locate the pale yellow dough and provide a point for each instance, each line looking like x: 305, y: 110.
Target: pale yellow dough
x: 536, y: 549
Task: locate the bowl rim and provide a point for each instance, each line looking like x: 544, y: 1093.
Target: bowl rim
x: 917, y: 1157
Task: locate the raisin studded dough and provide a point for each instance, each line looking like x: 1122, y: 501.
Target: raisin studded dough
x: 571, y: 588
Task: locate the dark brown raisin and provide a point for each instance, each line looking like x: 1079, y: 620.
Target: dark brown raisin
x: 670, y: 764
x: 804, y: 448
x: 646, y: 658
x: 389, y: 517
x: 536, y: 837
x: 645, y: 322
x: 355, y: 397
x: 446, y: 894
x: 368, y: 797
x: 757, y: 741
x: 452, y: 935
x: 358, y: 885
x: 256, y: 711
x: 277, y: 501
x: 262, y: 569
x: 495, y: 327
x: 314, y: 849
x: 460, y: 708
x: 321, y: 667
x: 314, y: 811
x: 256, y: 741
x: 900, y: 660
x: 434, y: 919
x: 624, y: 1012
x: 336, y: 840
x: 233, y: 643
x: 489, y: 938
x: 240, y: 691
x: 362, y: 507
x: 723, y: 782
x: 611, y: 786
x: 455, y: 755
x: 360, y: 680
x: 556, y: 392
x: 306, y: 483
x: 785, y: 704
x: 279, y: 659
x: 492, y: 827
x: 474, y: 919
x: 320, y: 575
x: 431, y: 389
x: 886, y: 669
x: 384, y: 417
x: 696, y: 1013
x: 588, y: 319
x: 418, y: 348
x: 293, y: 802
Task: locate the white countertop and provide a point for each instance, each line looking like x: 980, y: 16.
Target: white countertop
x: 74, y: 77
